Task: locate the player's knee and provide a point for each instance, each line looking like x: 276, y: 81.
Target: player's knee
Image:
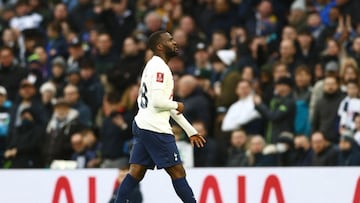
x: 137, y: 171
x: 176, y: 172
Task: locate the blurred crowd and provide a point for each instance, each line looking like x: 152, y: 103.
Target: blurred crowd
x: 268, y: 82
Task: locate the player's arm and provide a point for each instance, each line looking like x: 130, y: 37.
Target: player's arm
x: 195, y: 138
x: 161, y: 102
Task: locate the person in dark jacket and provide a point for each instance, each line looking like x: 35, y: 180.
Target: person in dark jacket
x: 128, y: 68
x: 349, y: 151
x: 285, y: 149
x: 237, y: 150
x: 303, y: 151
x: 325, y: 118
x: 24, y: 148
x: 115, y: 133
x: 197, y: 105
x: 27, y: 99
x: 63, y: 123
x: 325, y: 153
x: 281, y: 112
x: 10, y: 73
x: 72, y: 96
x: 118, y: 20
x: 91, y: 89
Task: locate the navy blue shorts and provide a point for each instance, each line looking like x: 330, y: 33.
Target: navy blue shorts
x: 152, y: 148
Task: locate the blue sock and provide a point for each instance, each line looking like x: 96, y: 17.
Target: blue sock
x: 125, y: 189
x: 183, y: 190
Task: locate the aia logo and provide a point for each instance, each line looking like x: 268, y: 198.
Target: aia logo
x: 159, y: 77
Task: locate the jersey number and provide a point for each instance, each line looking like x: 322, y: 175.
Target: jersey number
x: 144, y: 100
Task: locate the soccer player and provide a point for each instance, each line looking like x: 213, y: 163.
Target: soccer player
x: 154, y: 141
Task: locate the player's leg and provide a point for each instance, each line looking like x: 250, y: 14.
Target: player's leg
x: 181, y: 186
x: 131, y: 180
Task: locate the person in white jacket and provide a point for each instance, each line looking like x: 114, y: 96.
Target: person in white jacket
x: 243, y: 110
x: 349, y: 108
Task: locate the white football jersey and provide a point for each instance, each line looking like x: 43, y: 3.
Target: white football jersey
x: 155, y: 98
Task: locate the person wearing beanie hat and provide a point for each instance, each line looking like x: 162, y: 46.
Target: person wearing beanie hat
x: 285, y: 149
x: 281, y: 111
x: 48, y: 96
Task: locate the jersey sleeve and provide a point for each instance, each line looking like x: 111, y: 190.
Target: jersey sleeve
x: 184, y: 124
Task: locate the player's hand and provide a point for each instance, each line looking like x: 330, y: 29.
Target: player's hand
x: 197, y: 140
x: 180, y: 108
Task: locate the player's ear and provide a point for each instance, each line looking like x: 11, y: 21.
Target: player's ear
x: 160, y: 46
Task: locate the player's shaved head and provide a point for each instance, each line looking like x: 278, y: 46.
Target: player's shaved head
x: 154, y: 39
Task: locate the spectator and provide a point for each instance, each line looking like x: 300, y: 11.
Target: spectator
x: 288, y: 55
x: 349, y: 108
x: 304, y: 153
x: 25, y: 20
x: 197, y: 105
x: 219, y: 41
x: 58, y: 70
x: 118, y: 20
x: 263, y: 22
x: 9, y: 39
x: 82, y: 12
x: 105, y: 57
x: 325, y: 153
x: 48, y: 97
x: 72, y: 97
x: 93, y: 148
x: 127, y: 69
x: 5, y: 106
x: 302, y: 94
x: 206, y: 156
x: 348, y: 72
x: 285, y: 149
x: 25, y: 142
x: 355, y: 49
x: 91, y: 89
x: 255, y: 153
x: 28, y: 99
x: 349, y: 152
x: 63, y: 123
x: 357, y: 129
x: 306, y: 50
x: 76, y: 53
x: 242, y: 114
x: 225, y: 79
x: 325, y: 113
x: 201, y: 66
x: 10, y: 73
x: 73, y: 76
x: 56, y: 43
x: 236, y: 153
x: 281, y: 112
x: 115, y: 133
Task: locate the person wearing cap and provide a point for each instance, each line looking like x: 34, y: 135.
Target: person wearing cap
x: 325, y: 118
x: 5, y: 106
x: 10, y: 73
x: 64, y: 122
x: 349, y: 151
x: 25, y: 142
x: 281, y: 111
x: 202, y: 66
x: 27, y: 99
x: 76, y: 52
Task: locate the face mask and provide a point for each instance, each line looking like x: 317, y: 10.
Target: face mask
x: 26, y: 122
x: 281, y: 147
